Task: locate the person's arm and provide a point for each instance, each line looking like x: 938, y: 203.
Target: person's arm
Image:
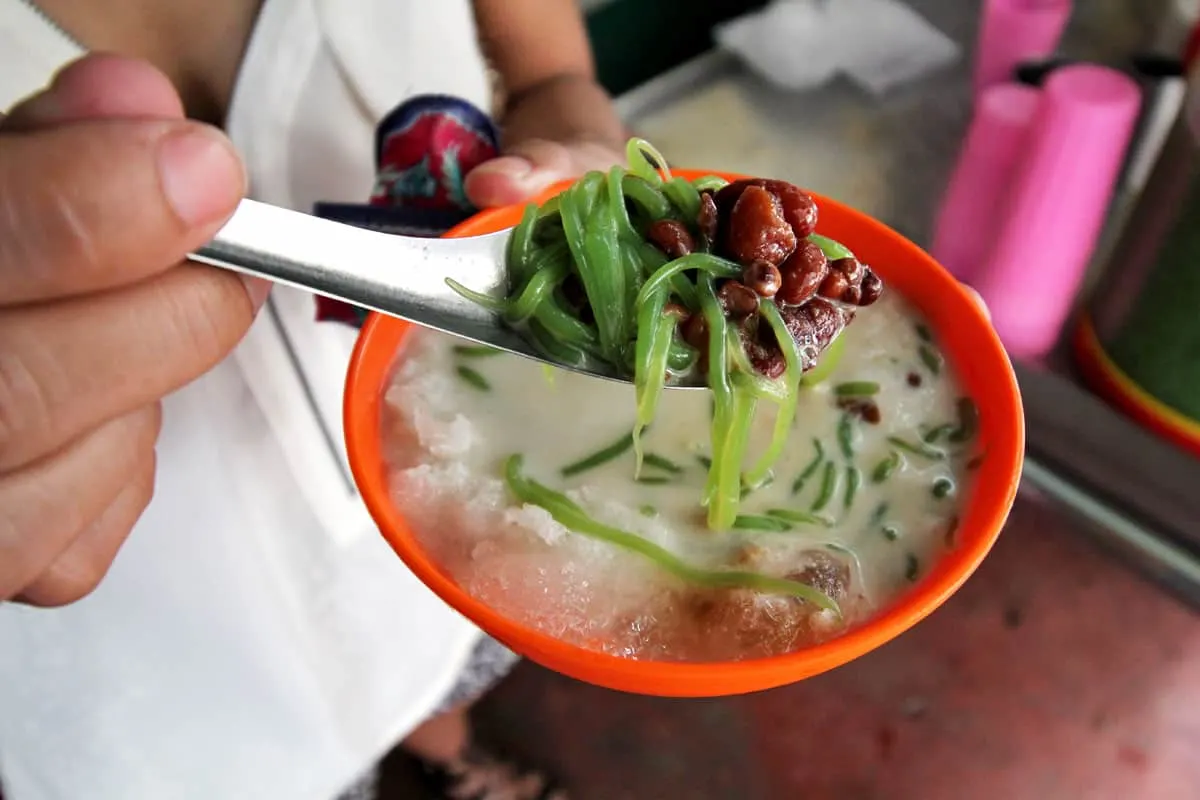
x: 557, y: 121
x: 541, y: 52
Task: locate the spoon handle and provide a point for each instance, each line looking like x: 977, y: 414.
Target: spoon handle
x: 404, y: 276
x: 400, y: 275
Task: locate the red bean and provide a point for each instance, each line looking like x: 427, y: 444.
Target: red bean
x: 799, y: 209
x: 765, y: 356
x: 727, y: 196
x: 851, y: 268
x: 763, y: 277
x: 872, y: 288
x: 813, y: 326
x: 767, y: 361
x: 862, y: 407
x: 802, y: 274
x: 834, y: 286
x: 757, y: 230
x: 695, y: 332
x: 737, y: 300
x: 672, y: 237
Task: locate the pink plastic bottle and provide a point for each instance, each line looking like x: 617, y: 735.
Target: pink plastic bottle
x: 974, y: 201
x: 1013, y: 31
x: 1057, y: 205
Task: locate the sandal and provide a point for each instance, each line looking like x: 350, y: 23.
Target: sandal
x: 481, y: 776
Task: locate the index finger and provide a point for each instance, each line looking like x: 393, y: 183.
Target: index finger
x: 95, y: 205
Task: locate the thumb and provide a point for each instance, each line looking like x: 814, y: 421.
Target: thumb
x: 97, y: 205
x: 528, y: 168
x: 518, y: 175
x: 111, y: 87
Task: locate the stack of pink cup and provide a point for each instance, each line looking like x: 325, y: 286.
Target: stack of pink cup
x: 1014, y: 31
x: 1026, y: 202
x: 1025, y: 205
x: 1053, y: 212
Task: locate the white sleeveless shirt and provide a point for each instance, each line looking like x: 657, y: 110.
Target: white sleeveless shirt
x: 256, y: 638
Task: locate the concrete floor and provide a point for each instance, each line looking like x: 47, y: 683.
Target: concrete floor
x: 1054, y: 674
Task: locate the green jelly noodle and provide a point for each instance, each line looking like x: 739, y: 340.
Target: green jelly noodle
x: 569, y: 514
x: 593, y: 233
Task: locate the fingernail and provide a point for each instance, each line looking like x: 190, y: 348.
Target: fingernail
x: 257, y: 290
x: 201, y: 174
x: 514, y: 167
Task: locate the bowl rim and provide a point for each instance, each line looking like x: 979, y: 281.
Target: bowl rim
x: 986, y: 511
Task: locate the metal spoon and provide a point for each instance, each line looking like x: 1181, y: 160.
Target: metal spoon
x: 404, y: 276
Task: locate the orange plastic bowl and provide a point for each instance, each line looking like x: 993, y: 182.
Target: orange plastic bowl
x: 970, y: 345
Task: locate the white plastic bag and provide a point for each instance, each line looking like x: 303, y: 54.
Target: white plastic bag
x: 803, y: 44
x: 886, y: 44
x: 785, y: 42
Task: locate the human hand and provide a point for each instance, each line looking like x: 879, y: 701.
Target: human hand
x: 529, y: 167
x: 104, y: 189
